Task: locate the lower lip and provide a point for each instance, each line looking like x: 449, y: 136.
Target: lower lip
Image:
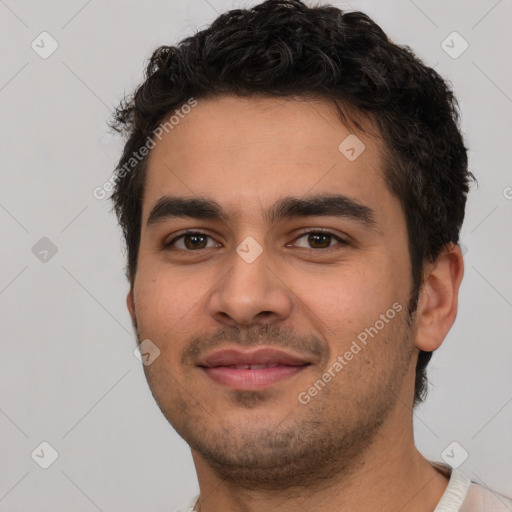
x: 251, y: 379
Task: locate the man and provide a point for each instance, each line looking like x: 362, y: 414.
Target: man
x: 291, y: 193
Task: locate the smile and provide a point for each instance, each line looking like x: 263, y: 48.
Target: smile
x: 252, y: 369
x: 255, y: 376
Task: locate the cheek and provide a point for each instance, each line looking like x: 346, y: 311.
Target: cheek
x: 164, y: 305
x: 350, y: 298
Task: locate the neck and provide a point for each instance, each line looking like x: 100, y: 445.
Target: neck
x: 390, y: 475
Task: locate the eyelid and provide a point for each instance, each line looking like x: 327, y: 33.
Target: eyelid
x: 326, y: 231
x: 181, y: 234
x: 341, y: 240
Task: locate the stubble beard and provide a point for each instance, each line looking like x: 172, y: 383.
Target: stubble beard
x: 310, y: 445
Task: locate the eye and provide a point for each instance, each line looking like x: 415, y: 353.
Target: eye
x: 196, y: 240
x: 191, y: 241
x: 320, y: 240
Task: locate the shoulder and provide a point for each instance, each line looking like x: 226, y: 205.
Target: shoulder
x: 464, y: 495
x: 481, y: 499
x: 188, y: 506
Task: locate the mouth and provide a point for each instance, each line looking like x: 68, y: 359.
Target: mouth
x: 252, y: 370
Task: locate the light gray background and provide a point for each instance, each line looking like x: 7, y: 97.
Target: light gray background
x: 68, y: 373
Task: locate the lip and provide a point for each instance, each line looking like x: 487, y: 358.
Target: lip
x: 232, y: 357
x: 221, y: 365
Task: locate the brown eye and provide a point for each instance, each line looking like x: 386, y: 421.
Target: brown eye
x: 190, y: 241
x: 195, y: 241
x: 319, y: 240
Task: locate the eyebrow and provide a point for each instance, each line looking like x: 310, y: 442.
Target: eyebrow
x: 203, y: 208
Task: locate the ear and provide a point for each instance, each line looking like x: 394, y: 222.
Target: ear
x: 130, y: 302
x: 438, y: 300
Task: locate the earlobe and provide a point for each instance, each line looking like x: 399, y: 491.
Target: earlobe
x: 438, y: 301
x: 130, y: 302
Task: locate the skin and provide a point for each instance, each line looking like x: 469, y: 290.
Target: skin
x: 351, y: 447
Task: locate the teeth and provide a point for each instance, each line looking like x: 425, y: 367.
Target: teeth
x: 254, y: 366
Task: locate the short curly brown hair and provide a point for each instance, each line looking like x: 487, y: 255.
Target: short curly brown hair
x: 285, y: 48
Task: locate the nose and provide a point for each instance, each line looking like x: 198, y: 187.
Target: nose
x: 250, y: 292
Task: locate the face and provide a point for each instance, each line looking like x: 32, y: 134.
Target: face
x: 301, y: 249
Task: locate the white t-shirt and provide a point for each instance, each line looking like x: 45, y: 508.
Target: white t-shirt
x: 461, y: 495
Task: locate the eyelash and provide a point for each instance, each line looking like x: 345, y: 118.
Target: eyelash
x: 304, y: 233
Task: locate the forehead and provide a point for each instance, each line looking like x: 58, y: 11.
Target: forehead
x: 247, y: 150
